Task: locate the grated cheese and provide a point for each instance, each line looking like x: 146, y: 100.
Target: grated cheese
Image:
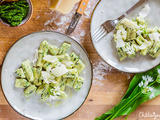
x: 128, y: 23
x: 154, y: 36
x: 35, y: 58
x: 48, y: 78
x: 67, y: 63
x: 59, y: 71
x: 144, y: 45
x: 120, y: 42
x: 50, y: 58
x: 145, y: 11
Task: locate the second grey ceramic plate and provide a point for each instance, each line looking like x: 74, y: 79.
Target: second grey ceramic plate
x: 112, y: 9
x: 32, y: 107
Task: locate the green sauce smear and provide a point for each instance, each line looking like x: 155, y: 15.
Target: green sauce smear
x: 13, y: 13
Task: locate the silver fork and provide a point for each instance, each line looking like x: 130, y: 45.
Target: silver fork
x: 109, y: 25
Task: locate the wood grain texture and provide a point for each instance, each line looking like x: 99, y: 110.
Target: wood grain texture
x: 102, y: 96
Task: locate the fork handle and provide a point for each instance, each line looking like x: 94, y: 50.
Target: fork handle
x: 132, y: 8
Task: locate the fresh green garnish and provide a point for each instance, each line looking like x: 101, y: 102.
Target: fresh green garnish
x: 13, y: 13
x: 143, y: 87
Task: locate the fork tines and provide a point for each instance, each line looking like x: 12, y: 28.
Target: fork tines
x: 99, y: 33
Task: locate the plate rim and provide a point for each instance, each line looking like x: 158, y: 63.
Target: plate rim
x: 47, y: 32
x: 132, y: 72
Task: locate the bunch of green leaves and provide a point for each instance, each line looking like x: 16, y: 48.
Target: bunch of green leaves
x: 144, y: 86
x: 14, y: 12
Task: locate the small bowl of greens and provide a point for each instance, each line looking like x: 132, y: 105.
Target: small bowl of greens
x: 15, y: 13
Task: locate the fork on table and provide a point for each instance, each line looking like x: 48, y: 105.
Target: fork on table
x: 109, y: 25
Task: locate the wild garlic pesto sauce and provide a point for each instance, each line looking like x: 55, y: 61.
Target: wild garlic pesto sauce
x: 55, y: 69
x: 14, y: 12
x: 132, y: 36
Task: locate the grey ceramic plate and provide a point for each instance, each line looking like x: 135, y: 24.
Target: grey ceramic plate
x: 112, y: 9
x: 32, y: 107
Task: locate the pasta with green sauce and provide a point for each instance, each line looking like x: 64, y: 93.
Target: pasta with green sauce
x: 54, y: 70
x: 133, y: 36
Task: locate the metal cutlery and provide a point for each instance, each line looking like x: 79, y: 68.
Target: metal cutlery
x: 109, y: 25
x: 77, y: 16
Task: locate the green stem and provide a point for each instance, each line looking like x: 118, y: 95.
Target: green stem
x: 113, y: 115
x: 131, y: 110
x: 125, y: 105
x: 127, y: 116
x: 129, y: 102
x: 152, y: 83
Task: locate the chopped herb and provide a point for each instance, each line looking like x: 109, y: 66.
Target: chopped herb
x: 14, y: 12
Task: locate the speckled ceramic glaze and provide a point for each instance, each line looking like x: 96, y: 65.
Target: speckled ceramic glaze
x: 112, y: 9
x: 32, y: 107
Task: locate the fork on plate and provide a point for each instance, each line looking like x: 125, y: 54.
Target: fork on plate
x: 109, y: 25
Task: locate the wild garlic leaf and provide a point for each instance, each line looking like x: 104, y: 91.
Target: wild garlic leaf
x: 144, y: 86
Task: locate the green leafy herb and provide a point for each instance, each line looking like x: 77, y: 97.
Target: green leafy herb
x: 14, y: 12
x: 143, y: 87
